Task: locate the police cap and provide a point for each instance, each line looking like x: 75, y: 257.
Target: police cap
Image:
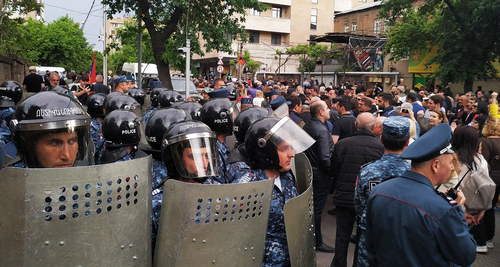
x: 433, y: 144
x: 396, y: 127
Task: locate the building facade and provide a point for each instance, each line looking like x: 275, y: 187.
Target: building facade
x: 285, y: 24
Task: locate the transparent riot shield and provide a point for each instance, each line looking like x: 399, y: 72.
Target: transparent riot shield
x: 301, y: 168
x: 213, y: 225
x: 299, y: 217
x: 80, y: 216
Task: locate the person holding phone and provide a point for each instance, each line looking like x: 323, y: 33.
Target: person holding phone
x: 82, y: 90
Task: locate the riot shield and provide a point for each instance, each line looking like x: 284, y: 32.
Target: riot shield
x: 80, y: 216
x: 301, y: 168
x: 213, y: 225
x: 299, y: 217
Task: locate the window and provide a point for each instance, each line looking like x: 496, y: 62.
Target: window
x: 277, y: 12
x: 276, y: 39
x: 254, y: 12
x: 314, y: 1
x: 311, y: 37
x: 314, y: 18
x: 253, y: 37
x: 377, y: 27
x: 354, y: 27
x: 228, y: 36
x: 346, y: 27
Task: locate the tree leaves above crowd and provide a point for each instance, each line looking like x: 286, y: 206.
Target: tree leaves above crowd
x: 59, y: 43
x: 466, y: 32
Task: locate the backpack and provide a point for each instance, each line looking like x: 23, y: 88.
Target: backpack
x: 478, y: 188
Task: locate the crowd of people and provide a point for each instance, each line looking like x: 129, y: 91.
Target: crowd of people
x: 385, y: 156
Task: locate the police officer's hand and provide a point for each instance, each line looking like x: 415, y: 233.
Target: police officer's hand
x: 460, y: 198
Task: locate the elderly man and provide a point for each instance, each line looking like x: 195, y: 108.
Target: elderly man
x: 99, y: 86
x: 350, y: 154
x: 408, y: 223
x: 319, y: 155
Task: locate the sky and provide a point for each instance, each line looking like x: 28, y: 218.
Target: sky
x: 78, y: 10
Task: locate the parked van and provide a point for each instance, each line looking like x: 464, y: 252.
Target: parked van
x: 40, y: 70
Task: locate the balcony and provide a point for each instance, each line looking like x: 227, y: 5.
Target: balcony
x: 267, y: 24
x: 278, y: 2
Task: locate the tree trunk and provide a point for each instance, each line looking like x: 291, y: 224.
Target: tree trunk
x: 158, y: 45
x: 468, y: 86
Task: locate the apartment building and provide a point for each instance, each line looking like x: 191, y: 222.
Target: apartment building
x: 285, y: 24
x: 35, y: 15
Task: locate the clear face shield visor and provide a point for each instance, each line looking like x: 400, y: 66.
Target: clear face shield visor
x: 196, y: 156
x: 57, y: 147
x: 293, y: 136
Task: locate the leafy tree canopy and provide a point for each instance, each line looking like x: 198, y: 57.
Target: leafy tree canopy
x: 250, y: 64
x: 466, y: 32
x: 171, y: 22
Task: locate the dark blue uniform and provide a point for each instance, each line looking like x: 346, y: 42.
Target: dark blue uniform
x: 409, y: 224
x: 390, y: 165
x: 95, y: 131
x: 4, y: 128
x: 276, y: 247
x: 223, y: 153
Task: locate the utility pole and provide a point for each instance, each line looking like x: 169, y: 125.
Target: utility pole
x: 240, y: 67
x: 187, y: 73
x: 104, y: 56
x: 139, y: 55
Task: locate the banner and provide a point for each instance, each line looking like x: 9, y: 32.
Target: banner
x: 92, y: 71
x: 367, y: 53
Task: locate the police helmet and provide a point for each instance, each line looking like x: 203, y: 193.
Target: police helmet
x: 159, y: 122
x: 121, y: 128
x: 62, y: 90
x: 123, y: 102
x: 154, y: 96
x: 168, y: 97
x: 137, y: 94
x: 11, y: 92
x: 245, y: 119
x: 111, y: 95
x: 95, y: 105
x: 191, y: 108
x: 189, y: 150
x: 219, y: 115
x: 266, y: 135
x: 50, y: 113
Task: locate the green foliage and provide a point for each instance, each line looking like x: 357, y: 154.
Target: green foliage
x: 467, y: 33
x: 250, y: 64
x: 11, y: 30
x: 126, y: 49
x: 170, y: 22
x: 309, y: 54
x: 60, y: 43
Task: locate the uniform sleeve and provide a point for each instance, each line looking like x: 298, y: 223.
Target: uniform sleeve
x: 359, y: 196
x: 453, y: 238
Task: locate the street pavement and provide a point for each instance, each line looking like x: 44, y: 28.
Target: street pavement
x: 490, y: 259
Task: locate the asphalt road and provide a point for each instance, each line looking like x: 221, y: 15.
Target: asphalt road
x: 490, y: 259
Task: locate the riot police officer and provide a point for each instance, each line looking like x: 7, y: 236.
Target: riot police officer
x: 154, y: 97
x: 191, y: 108
x: 155, y: 128
x: 168, y: 97
x: 51, y: 130
x: 122, y: 131
x: 237, y: 158
x: 189, y: 151
x: 11, y: 92
x: 271, y: 143
x: 219, y: 115
x: 137, y: 94
x: 95, y: 108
